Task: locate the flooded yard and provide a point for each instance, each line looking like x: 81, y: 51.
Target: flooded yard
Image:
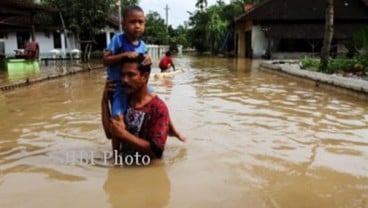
x: 254, y: 140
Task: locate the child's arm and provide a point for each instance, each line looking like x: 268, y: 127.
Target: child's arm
x: 109, y: 58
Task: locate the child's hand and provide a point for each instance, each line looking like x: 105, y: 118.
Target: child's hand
x: 131, y: 55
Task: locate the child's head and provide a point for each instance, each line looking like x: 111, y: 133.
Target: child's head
x: 168, y: 53
x: 133, y: 22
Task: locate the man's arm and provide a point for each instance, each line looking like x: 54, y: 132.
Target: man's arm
x: 138, y: 144
x: 172, y: 63
x: 157, y: 133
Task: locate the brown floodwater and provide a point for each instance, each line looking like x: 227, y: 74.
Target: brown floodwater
x: 254, y: 140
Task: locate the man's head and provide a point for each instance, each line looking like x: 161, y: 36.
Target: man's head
x: 134, y: 21
x: 168, y: 53
x: 135, y: 75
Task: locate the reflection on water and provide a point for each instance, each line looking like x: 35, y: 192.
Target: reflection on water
x: 255, y: 139
x: 150, y: 187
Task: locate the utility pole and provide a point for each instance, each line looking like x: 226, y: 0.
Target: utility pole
x: 167, y: 22
x: 119, y: 13
x: 167, y: 16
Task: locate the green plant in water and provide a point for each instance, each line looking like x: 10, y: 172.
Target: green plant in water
x: 309, y: 63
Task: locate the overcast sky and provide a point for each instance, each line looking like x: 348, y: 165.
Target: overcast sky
x: 177, y: 9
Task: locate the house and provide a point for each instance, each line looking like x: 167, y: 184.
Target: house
x: 19, y: 24
x: 295, y: 28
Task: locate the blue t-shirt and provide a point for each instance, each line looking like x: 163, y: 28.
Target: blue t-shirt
x: 120, y: 44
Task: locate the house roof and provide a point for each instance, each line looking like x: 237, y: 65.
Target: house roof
x: 309, y: 31
x: 307, y: 10
x: 16, y: 14
x: 21, y: 8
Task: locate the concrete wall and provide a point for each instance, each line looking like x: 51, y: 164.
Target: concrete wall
x: 46, y: 43
x: 10, y: 44
x: 259, y: 42
x: 240, y: 29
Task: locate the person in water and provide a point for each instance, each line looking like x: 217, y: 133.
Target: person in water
x: 166, y: 62
x: 145, y: 126
x: 122, y: 46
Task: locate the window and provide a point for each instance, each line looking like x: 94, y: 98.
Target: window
x: 22, y: 38
x: 299, y: 45
x: 2, y: 47
x: 57, y: 40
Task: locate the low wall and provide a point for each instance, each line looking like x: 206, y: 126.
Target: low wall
x: 29, y: 81
x: 346, y: 85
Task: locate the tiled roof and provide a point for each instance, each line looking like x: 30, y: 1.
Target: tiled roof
x: 310, y: 10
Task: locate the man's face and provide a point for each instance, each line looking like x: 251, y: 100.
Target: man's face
x: 134, y: 23
x: 132, y: 78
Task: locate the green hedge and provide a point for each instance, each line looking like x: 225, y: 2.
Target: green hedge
x: 337, y: 64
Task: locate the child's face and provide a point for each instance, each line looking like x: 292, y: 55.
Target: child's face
x: 134, y: 23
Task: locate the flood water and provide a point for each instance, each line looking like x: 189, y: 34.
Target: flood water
x: 254, y: 140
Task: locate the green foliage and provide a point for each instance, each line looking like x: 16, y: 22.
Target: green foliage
x: 84, y: 17
x: 155, y: 31
x: 309, y: 63
x: 201, y: 4
x: 209, y: 26
x: 335, y: 65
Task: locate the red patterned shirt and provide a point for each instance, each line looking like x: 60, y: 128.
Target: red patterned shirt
x: 150, y: 122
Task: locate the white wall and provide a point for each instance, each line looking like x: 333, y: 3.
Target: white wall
x: 11, y: 43
x: 46, y: 43
x: 259, y: 41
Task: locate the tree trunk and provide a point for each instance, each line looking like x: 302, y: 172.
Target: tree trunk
x: 325, y: 53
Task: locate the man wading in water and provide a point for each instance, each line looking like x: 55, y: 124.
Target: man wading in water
x: 147, y: 119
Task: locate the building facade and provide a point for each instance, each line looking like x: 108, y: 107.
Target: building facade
x: 295, y: 28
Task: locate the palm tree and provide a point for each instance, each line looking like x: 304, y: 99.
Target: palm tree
x: 201, y: 4
x: 329, y: 30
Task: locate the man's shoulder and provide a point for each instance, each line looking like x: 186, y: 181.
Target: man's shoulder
x: 158, y: 101
x: 158, y: 104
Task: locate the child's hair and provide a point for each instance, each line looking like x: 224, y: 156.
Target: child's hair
x: 130, y: 9
x: 139, y: 61
x: 168, y: 53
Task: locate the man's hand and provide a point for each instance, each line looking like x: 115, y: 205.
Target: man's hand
x: 117, y: 126
x: 109, y: 87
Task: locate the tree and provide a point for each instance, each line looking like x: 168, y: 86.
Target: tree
x: 84, y: 17
x: 208, y: 28
x: 215, y: 29
x: 201, y: 4
x: 155, y: 31
x: 328, y: 35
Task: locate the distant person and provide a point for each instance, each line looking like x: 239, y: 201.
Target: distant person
x: 145, y: 126
x: 166, y: 62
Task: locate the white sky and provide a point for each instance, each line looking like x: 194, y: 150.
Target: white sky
x: 177, y: 9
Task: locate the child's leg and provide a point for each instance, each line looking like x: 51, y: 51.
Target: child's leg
x: 118, y: 107
x: 115, y: 143
x: 174, y: 132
